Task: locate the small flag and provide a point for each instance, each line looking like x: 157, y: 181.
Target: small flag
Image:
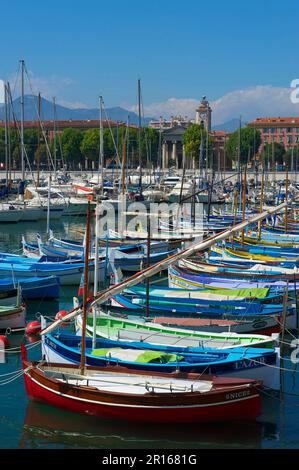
x: 81, y: 286
x: 81, y: 289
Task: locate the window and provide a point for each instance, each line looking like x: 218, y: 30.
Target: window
x: 273, y: 130
x: 266, y: 130
x: 290, y: 139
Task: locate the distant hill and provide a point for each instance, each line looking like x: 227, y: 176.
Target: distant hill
x: 229, y: 126
x: 64, y: 113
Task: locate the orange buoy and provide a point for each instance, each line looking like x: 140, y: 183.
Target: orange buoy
x: 33, y: 328
x: 4, y: 343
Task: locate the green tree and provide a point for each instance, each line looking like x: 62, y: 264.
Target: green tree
x: 291, y: 157
x: 90, y: 144
x: 192, y: 141
x: 70, y: 141
x: 250, y: 141
x: 41, y: 154
x: 273, y: 154
x: 30, y: 141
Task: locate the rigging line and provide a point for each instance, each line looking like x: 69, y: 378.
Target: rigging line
x: 19, y: 132
x: 11, y: 373
x: 276, y: 367
x: 40, y: 122
x: 111, y: 133
x: 16, y: 78
x: 146, y: 137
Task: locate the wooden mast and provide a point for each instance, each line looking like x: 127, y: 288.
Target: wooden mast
x: 286, y: 199
x: 85, y: 287
x: 139, y: 136
x: 244, y: 200
x: 38, y: 139
x: 261, y: 203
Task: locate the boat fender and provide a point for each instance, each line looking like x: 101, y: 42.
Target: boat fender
x: 33, y: 328
x: 4, y: 343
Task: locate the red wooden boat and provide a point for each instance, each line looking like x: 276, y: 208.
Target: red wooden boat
x: 113, y: 392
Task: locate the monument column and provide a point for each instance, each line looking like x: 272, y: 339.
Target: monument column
x: 184, y: 158
x: 174, y: 155
x: 164, y: 166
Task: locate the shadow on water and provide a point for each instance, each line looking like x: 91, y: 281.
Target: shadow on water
x: 46, y: 427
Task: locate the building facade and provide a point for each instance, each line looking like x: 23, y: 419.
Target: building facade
x: 172, y: 138
x: 283, y: 130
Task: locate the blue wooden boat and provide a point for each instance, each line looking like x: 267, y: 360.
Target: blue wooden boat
x: 248, y: 362
x: 68, y: 274
x: 33, y: 287
x: 203, y: 309
x: 136, y: 261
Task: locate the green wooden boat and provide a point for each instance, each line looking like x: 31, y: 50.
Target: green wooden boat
x: 121, y: 329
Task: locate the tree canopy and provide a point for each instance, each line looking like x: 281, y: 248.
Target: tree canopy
x: 194, y: 135
x: 273, y: 154
x: 250, y: 141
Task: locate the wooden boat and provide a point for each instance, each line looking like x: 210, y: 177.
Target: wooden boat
x: 147, y: 397
x: 67, y: 273
x: 209, y: 295
x: 198, y: 308
x: 12, y: 317
x: 134, y: 262
x: 261, y: 326
x: 256, y: 272
x: 32, y: 287
x: 254, y: 363
x: 133, y: 330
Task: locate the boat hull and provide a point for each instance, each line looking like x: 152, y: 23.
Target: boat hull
x: 225, y: 405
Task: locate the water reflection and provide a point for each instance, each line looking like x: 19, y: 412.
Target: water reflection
x: 46, y: 426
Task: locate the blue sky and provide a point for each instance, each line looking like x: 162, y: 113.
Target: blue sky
x: 76, y: 50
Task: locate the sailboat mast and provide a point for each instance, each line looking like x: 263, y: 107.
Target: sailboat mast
x: 261, y: 204
x: 101, y: 156
x: 22, y: 120
x: 286, y: 199
x: 54, y: 138
x: 85, y: 287
x: 6, y: 133
x: 139, y: 135
x: 39, y: 106
x: 244, y: 200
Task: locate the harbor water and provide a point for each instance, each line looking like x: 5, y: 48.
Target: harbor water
x: 25, y: 424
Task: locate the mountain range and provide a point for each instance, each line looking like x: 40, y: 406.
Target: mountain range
x: 63, y: 113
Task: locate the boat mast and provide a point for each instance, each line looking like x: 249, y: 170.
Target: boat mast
x: 244, y: 200
x: 139, y: 135
x: 22, y: 120
x: 96, y: 273
x: 84, y: 319
x: 39, y: 105
x: 54, y: 137
x: 6, y: 133
x: 286, y: 199
x: 101, y: 155
x: 261, y: 204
